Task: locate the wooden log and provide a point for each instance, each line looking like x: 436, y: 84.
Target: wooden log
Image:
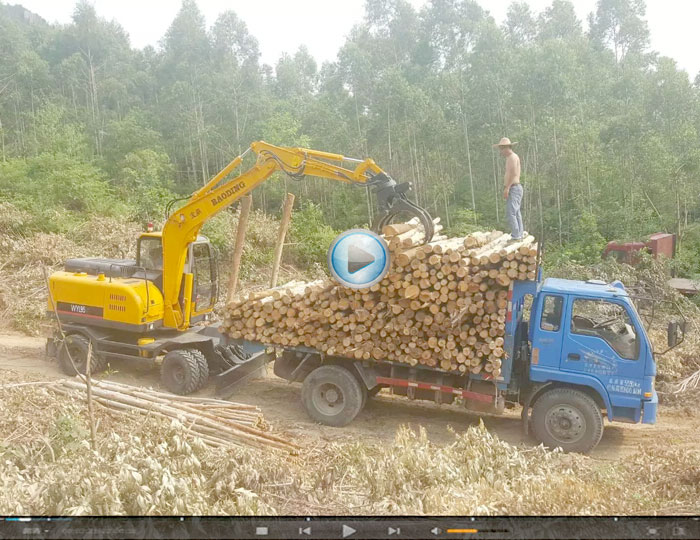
x: 398, y: 228
x: 246, y: 203
x: 282, y: 233
x: 139, y: 400
x: 441, y: 305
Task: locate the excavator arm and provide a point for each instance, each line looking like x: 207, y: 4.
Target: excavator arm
x: 183, y: 225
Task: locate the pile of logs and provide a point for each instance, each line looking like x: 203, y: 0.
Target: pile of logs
x: 218, y: 423
x: 442, y: 304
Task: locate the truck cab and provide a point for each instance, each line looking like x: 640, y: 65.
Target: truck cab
x: 589, y: 355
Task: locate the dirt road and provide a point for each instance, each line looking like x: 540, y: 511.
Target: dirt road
x: 23, y: 357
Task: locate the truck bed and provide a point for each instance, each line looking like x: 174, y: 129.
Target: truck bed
x: 477, y: 391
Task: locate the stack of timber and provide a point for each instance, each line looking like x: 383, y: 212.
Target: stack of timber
x: 442, y: 304
x: 217, y: 422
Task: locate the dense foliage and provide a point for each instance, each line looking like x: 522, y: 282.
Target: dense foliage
x: 608, y: 129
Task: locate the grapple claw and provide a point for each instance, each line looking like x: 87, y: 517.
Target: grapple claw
x: 392, y: 202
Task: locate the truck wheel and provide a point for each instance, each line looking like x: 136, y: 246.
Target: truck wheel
x: 332, y: 395
x: 180, y: 372
x: 75, y: 347
x: 567, y: 418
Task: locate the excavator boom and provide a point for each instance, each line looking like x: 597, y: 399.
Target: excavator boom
x: 183, y: 225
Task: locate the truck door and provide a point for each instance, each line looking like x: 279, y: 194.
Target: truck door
x: 601, y: 339
x: 547, y: 335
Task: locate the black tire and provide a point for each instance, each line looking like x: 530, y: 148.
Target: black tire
x: 180, y: 371
x: 75, y: 347
x: 203, y: 365
x: 567, y: 418
x: 332, y: 395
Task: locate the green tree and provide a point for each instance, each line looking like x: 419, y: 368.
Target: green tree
x: 620, y: 25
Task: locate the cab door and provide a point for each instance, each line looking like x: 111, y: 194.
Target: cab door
x: 602, y: 339
x: 204, y: 289
x: 547, y: 334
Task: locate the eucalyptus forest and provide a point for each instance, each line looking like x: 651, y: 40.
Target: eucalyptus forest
x: 607, y: 128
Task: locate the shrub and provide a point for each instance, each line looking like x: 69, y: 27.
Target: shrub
x: 310, y: 235
x: 144, y: 180
x: 585, y: 245
x: 55, y: 189
x: 464, y: 222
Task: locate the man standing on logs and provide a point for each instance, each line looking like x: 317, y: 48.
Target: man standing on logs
x: 512, y: 190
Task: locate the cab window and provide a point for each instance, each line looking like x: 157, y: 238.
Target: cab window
x: 551, y: 313
x: 609, y: 321
x: 204, y: 276
x: 150, y: 254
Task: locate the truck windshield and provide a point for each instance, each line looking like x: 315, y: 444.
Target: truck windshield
x: 608, y: 321
x: 204, y: 277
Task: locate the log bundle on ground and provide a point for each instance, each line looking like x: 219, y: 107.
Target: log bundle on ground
x: 217, y: 422
x: 442, y: 304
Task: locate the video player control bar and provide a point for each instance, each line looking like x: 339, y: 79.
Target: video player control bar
x: 353, y: 528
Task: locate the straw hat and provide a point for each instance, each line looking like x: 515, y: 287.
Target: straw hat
x: 505, y: 141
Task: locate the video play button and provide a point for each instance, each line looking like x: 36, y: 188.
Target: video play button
x: 347, y: 531
x: 358, y: 258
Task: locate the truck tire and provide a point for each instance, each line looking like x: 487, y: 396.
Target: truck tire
x: 180, y: 371
x: 75, y: 347
x: 567, y: 418
x: 332, y: 395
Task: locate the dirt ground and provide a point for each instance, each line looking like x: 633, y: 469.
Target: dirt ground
x: 281, y: 405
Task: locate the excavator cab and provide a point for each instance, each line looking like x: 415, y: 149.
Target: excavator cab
x: 200, y: 262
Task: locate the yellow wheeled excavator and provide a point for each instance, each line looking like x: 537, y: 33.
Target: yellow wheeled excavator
x: 160, y: 304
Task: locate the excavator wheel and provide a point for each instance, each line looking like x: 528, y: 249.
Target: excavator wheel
x: 203, y: 365
x: 75, y: 347
x: 180, y: 372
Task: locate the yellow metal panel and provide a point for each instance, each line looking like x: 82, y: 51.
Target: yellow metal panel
x: 187, y: 295
x: 121, y: 300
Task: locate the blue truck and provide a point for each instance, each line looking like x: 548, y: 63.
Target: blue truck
x: 581, y: 355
